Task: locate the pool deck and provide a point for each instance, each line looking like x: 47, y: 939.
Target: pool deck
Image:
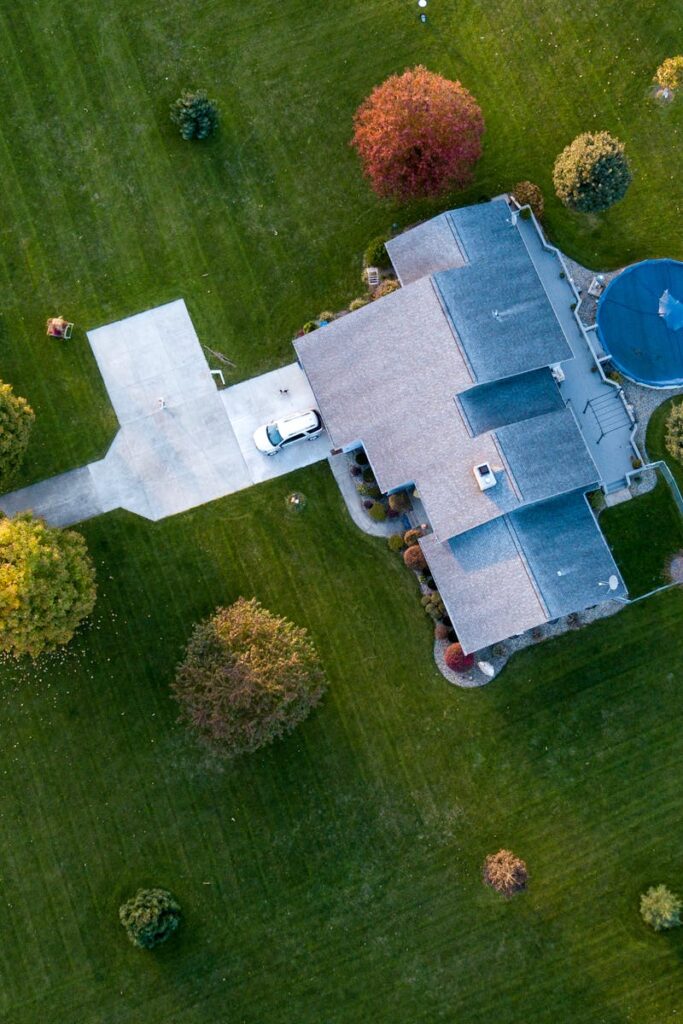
x: 597, y: 404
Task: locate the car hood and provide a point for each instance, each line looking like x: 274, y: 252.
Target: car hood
x: 262, y: 441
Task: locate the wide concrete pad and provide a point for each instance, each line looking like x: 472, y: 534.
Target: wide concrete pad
x: 262, y: 400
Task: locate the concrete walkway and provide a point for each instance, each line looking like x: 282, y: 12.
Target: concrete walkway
x: 181, y: 442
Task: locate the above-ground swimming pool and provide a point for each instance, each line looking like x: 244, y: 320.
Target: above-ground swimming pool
x: 640, y: 322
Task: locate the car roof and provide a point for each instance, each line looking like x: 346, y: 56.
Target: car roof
x: 298, y: 422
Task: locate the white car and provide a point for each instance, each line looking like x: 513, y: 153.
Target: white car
x: 302, y: 426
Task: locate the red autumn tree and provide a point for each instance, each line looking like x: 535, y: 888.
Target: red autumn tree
x: 418, y: 134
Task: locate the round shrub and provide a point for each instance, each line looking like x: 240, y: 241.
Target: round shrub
x: 418, y: 134
x: 358, y: 304
x: 378, y: 512
x: 395, y: 542
x: 376, y: 254
x: 441, y: 631
x: 361, y: 458
x: 386, y: 288
x: 528, y: 194
x: 150, y: 917
x: 356, y: 470
x: 368, y: 475
x: 310, y: 325
x: 399, y: 502
x: 195, y: 115
x: 368, y: 503
x: 456, y: 659
x: 505, y: 873
x: 414, y: 558
x: 673, y: 438
x: 325, y: 315
x: 368, y: 490
x: 47, y: 585
x: 660, y: 908
x: 669, y: 74
x: 592, y: 173
x: 16, y: 421
x: 248, y: 677
x: 411, y: 537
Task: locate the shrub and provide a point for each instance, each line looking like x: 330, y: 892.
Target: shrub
x: 248, y: 677
x: 434, y: 606
x: 368, y: 475
x: 368, y: 490
x: 505, y: 873
x: 456, y: 659
x: 195, y: 115
x: 361, y: 457
x: 325, y: 315
x: 441, y: 631
x: 673, y: 438
x: 429, y: 582
x: 669, y: 74
x: 368, y: 503
x: 356, y: 470
x: 376, y: 254
x: 414, y: 558
x: 16, y: 421
x: 411, y: 537
x: 660, y: 908
x: 399, y: 502
x: 386, y: 288
x: 528, y: 194
x: 309, y: 326
x: 592, y: 173
x: 418, y: 134
x: 395, y: 542
x: 47, y: 585
x: 378, y: 512
x: 358, y: 304
x: 150, y: 917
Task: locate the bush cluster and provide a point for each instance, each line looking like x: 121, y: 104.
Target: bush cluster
x: 592, y: 173
x: 150, y: 917
x: 47, y: 585
x: 673, y: 438
x: 195, y: 115
x: 456, y: 659
x: 16, y: 422
x: 248, y: 677
x: 505, y: 873
x: 433, y: 605
x: 528, y: 194
x: 376, y: 254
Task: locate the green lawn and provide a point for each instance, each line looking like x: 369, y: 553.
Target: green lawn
x: 333, y: 879
x: 644, y: 533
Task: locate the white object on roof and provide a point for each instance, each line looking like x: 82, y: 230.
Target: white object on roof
x: 484, y: 476
x: 557, y: 372
x: 372, y: 276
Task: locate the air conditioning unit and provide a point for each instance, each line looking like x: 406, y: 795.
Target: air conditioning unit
x: 484, y: 476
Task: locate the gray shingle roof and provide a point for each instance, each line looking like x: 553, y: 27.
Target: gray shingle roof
x: 497, y: 303
x: 489, y: 406
x: 566, y: 553
x: 425, y: 249
x: 485, y: 584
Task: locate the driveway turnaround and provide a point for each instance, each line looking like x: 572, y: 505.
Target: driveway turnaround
x: 181, y: 442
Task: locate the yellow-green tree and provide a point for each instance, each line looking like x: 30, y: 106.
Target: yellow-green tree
x: 669, y: 74
x: 16, y: 421
x: 47, y: 585
x: 592, y: 173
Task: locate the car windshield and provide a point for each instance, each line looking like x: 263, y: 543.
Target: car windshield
x: 274, y: 435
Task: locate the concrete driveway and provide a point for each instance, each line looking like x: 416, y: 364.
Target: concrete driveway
x: 266, y: 398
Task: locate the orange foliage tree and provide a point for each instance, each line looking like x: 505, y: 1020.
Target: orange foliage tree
x: 418, y: 134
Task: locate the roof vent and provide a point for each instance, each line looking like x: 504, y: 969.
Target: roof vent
x: 484, y: 476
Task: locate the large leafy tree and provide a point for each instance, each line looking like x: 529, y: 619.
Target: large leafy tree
x: 248, y: 677
x: 418, y: 134
x: 592, y: 173
x: 150, y: 917
x: 47, y: 585
x: 16, y: 421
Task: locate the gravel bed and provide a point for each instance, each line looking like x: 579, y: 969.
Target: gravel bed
x: 582, y: 277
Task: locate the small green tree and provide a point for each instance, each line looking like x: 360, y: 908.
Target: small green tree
x: 150, y: 917
x: 660, y: 908
x: 47, y: 585
x: 248, y: 677
x: 592, y: 173
x: 16, y: 421
x: 195, y: 115
x: 669, y: 74
x: 674, y: 431
x: 528, y: 194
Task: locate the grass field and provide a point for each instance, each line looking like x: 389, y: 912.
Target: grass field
x: 333, y: 879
